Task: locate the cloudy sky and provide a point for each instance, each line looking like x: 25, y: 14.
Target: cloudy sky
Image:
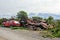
x: 11, y: 7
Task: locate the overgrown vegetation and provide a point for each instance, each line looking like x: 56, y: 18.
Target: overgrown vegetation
x: 55, y: 32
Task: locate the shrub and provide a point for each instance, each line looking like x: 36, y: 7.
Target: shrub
x: 56, y: 32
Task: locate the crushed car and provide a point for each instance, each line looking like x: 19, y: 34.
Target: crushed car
x: 11, y: 23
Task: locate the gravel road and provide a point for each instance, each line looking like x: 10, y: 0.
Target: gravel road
x: 8, y: 34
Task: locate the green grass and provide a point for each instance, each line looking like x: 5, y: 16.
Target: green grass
x: 1, y: 25
x: 52, y: 33
x: 22, y: 28
x: 46, y: 34
x: 56, y: 32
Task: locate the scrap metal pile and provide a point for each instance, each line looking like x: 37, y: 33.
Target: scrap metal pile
x: 34, y: 24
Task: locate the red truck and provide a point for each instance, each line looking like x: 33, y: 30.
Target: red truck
x: 11, y: 23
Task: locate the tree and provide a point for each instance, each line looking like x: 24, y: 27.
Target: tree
x: 50, y: 20
x: 1, y: 20
x: 37, y: 18
x: 22, y: 14
x: 57, y: 23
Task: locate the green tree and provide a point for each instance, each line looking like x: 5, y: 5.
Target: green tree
x: 22, y: 14
x: 37, y: 18
x: 1, y: 20
x: 50, y: 20
x: 57, y: 23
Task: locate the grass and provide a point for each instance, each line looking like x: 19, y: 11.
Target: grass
x: 46, y: 34
x: 56, y: 32
x: 51, y: 33
x: 22, y: 28
x: 0, y: 24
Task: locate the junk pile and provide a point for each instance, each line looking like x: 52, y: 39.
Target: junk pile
x: 33, y: 25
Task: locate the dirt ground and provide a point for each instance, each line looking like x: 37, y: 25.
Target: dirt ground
x: 8, y: 34
x: 2, y: 38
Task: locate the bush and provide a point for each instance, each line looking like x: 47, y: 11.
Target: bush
x: 56, y: 32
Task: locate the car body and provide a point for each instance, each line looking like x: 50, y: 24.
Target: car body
x: 11, y: 23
